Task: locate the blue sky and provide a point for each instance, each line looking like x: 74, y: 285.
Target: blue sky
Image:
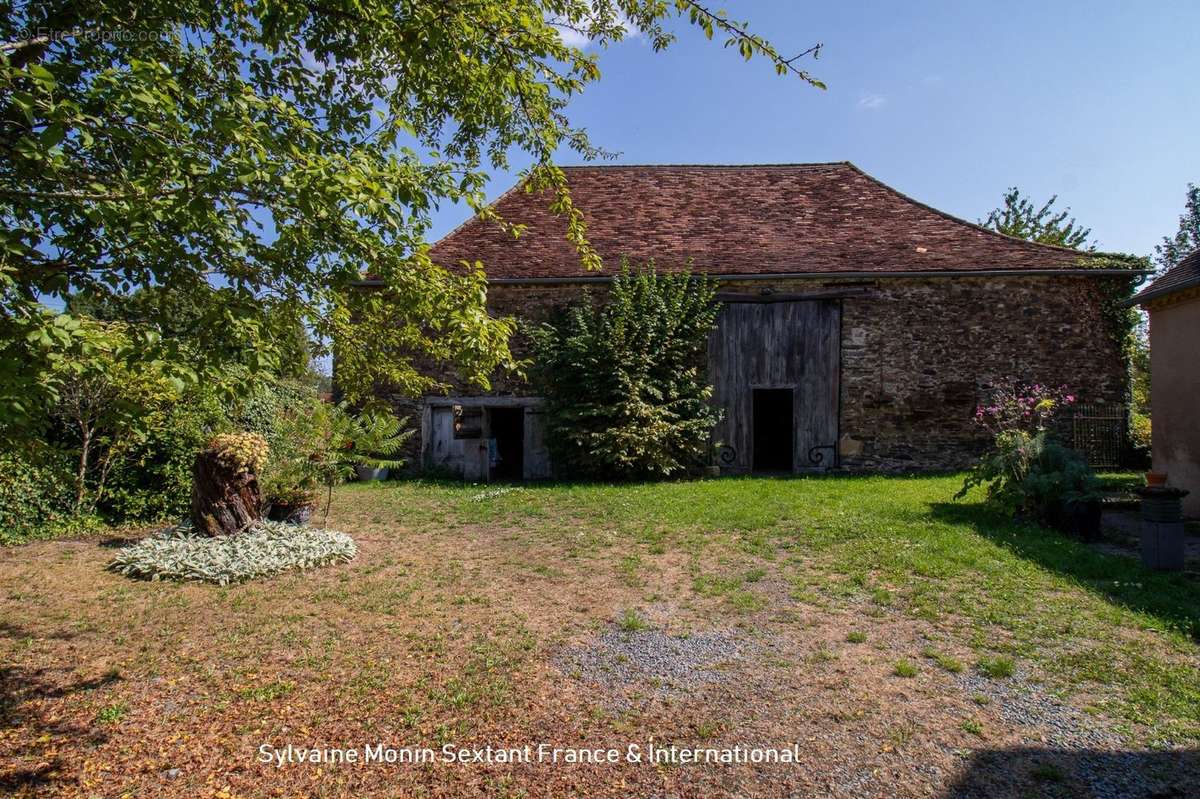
x: 949, y: 102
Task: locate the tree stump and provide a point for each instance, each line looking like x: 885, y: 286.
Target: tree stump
x: 225, y: 501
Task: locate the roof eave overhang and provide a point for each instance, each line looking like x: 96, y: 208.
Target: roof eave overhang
x: 1151, y: 293
x: 862, y: 275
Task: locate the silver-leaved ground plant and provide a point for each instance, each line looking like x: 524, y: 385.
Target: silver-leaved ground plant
x: 177, y: 553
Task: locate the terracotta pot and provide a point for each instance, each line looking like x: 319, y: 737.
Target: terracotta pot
x: 1156, y: 478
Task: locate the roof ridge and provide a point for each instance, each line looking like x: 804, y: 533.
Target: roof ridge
x: 519, y: 185
x: 763, y: 165
x: 859, y: 170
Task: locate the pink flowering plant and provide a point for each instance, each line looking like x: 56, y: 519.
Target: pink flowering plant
x: 1026, y: 471
x: 1028, y: 408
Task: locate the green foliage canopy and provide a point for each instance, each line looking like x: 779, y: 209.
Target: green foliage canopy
x: 625, y: 381
x: 1186, y: 240
x: 1019, y: 217
x: 178, y: 318
x: 255, y: 154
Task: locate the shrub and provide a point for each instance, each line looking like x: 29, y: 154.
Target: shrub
x: 154, y: 480
x: 1139, y: 400
x: 178, y: 553
x: 1025, y: 408
x: 1003, y: 469
x: 102, y: 398
x: 1027, y: 471
x: 1139, y: 439
x: 289, y: 415
x: 625, y: 383
x: 1033, y: 475
x: 270, y: 405
x: 35, y: 497
x: 1058, y: 478
x: 320, y: 446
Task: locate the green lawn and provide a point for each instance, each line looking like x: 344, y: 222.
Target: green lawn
x: 1084, y: 622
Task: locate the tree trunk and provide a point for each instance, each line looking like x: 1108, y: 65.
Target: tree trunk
x: 81, y: 474
x: 224, y: 502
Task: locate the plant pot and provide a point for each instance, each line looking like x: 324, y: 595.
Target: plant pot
x: 1156, y: 479
x: 1082, y: 519
x: 1053, y: 516
x: 368, y: 473
x: 291, y: 514
x: 1164, y: 546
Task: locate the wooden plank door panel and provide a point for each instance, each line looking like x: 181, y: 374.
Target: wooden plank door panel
x: 778, y: 345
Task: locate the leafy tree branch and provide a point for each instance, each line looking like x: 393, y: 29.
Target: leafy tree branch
x: 1186, y: 240
x: 246, y: 154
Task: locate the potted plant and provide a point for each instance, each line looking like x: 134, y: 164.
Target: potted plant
x: 366, y: 472
x: 346, y: 442
x: 294, y: 505
x: 291, y: 490
x: 322, y: 446
x: 291, y: 481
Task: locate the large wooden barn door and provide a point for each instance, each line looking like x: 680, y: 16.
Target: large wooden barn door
x: 761, y: 348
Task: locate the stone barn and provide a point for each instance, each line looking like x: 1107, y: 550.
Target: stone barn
x: 860, y: 327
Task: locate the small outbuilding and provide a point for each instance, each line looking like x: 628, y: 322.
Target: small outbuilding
x: 1173, y: 303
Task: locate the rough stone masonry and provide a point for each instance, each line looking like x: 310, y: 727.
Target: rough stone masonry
x: 917, y: 355
x: 934, y: 310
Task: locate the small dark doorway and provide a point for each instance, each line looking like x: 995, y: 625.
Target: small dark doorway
x: 508, y: 428
x: 773, y: 435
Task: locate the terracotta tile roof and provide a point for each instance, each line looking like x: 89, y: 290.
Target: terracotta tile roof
x: 1183, y: 275
x: 794, y: 218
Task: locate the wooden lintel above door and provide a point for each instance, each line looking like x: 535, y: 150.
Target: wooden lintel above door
x: 778, y: 296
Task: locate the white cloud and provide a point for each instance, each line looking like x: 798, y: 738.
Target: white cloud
x: 871, y: 102
x: 570, y: 36
x: 310, y: 61
x: 573, y: 35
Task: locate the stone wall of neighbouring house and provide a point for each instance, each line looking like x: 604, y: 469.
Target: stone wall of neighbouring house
x: 918, y: 355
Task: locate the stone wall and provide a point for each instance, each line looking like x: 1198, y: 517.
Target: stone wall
x: 918, y: 355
